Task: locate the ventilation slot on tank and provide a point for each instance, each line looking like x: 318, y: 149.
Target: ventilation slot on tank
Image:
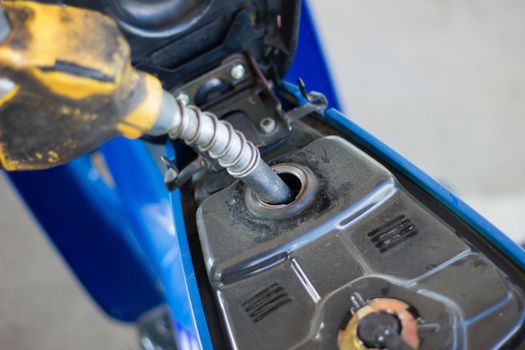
x: 265, y: 302
x: 392, y: 233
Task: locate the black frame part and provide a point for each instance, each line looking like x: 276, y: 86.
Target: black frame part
x: 178, y: 40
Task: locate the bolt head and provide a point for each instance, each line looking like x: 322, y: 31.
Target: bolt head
x: 238, y: 72
x: 267, y: 125
x: 184, y: 98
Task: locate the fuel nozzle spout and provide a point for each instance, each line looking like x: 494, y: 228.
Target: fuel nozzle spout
x: 219, y: 140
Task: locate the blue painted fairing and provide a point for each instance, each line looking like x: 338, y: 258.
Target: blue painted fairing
x: 84, y: 219
x: 157, y: 220
x: 309, y: 63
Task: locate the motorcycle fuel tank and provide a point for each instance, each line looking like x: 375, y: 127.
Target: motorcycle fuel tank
x: 362, y: 242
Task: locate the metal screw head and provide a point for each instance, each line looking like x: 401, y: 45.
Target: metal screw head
x: 238, y: 72
x: 267, y: 125
x: 183, y: 97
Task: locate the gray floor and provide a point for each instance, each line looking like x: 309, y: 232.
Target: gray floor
x: 41, y: 305
x: 443, y: 82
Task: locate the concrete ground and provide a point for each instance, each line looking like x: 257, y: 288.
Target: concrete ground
x: 42, y: 307
x: 442, y: 82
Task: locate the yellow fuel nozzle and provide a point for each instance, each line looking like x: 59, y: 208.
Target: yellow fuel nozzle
x: 66, y: 85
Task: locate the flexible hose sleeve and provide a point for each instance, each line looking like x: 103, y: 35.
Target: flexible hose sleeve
x: 222, y: 142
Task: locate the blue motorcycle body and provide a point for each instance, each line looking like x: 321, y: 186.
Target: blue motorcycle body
x: 125, y: 237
